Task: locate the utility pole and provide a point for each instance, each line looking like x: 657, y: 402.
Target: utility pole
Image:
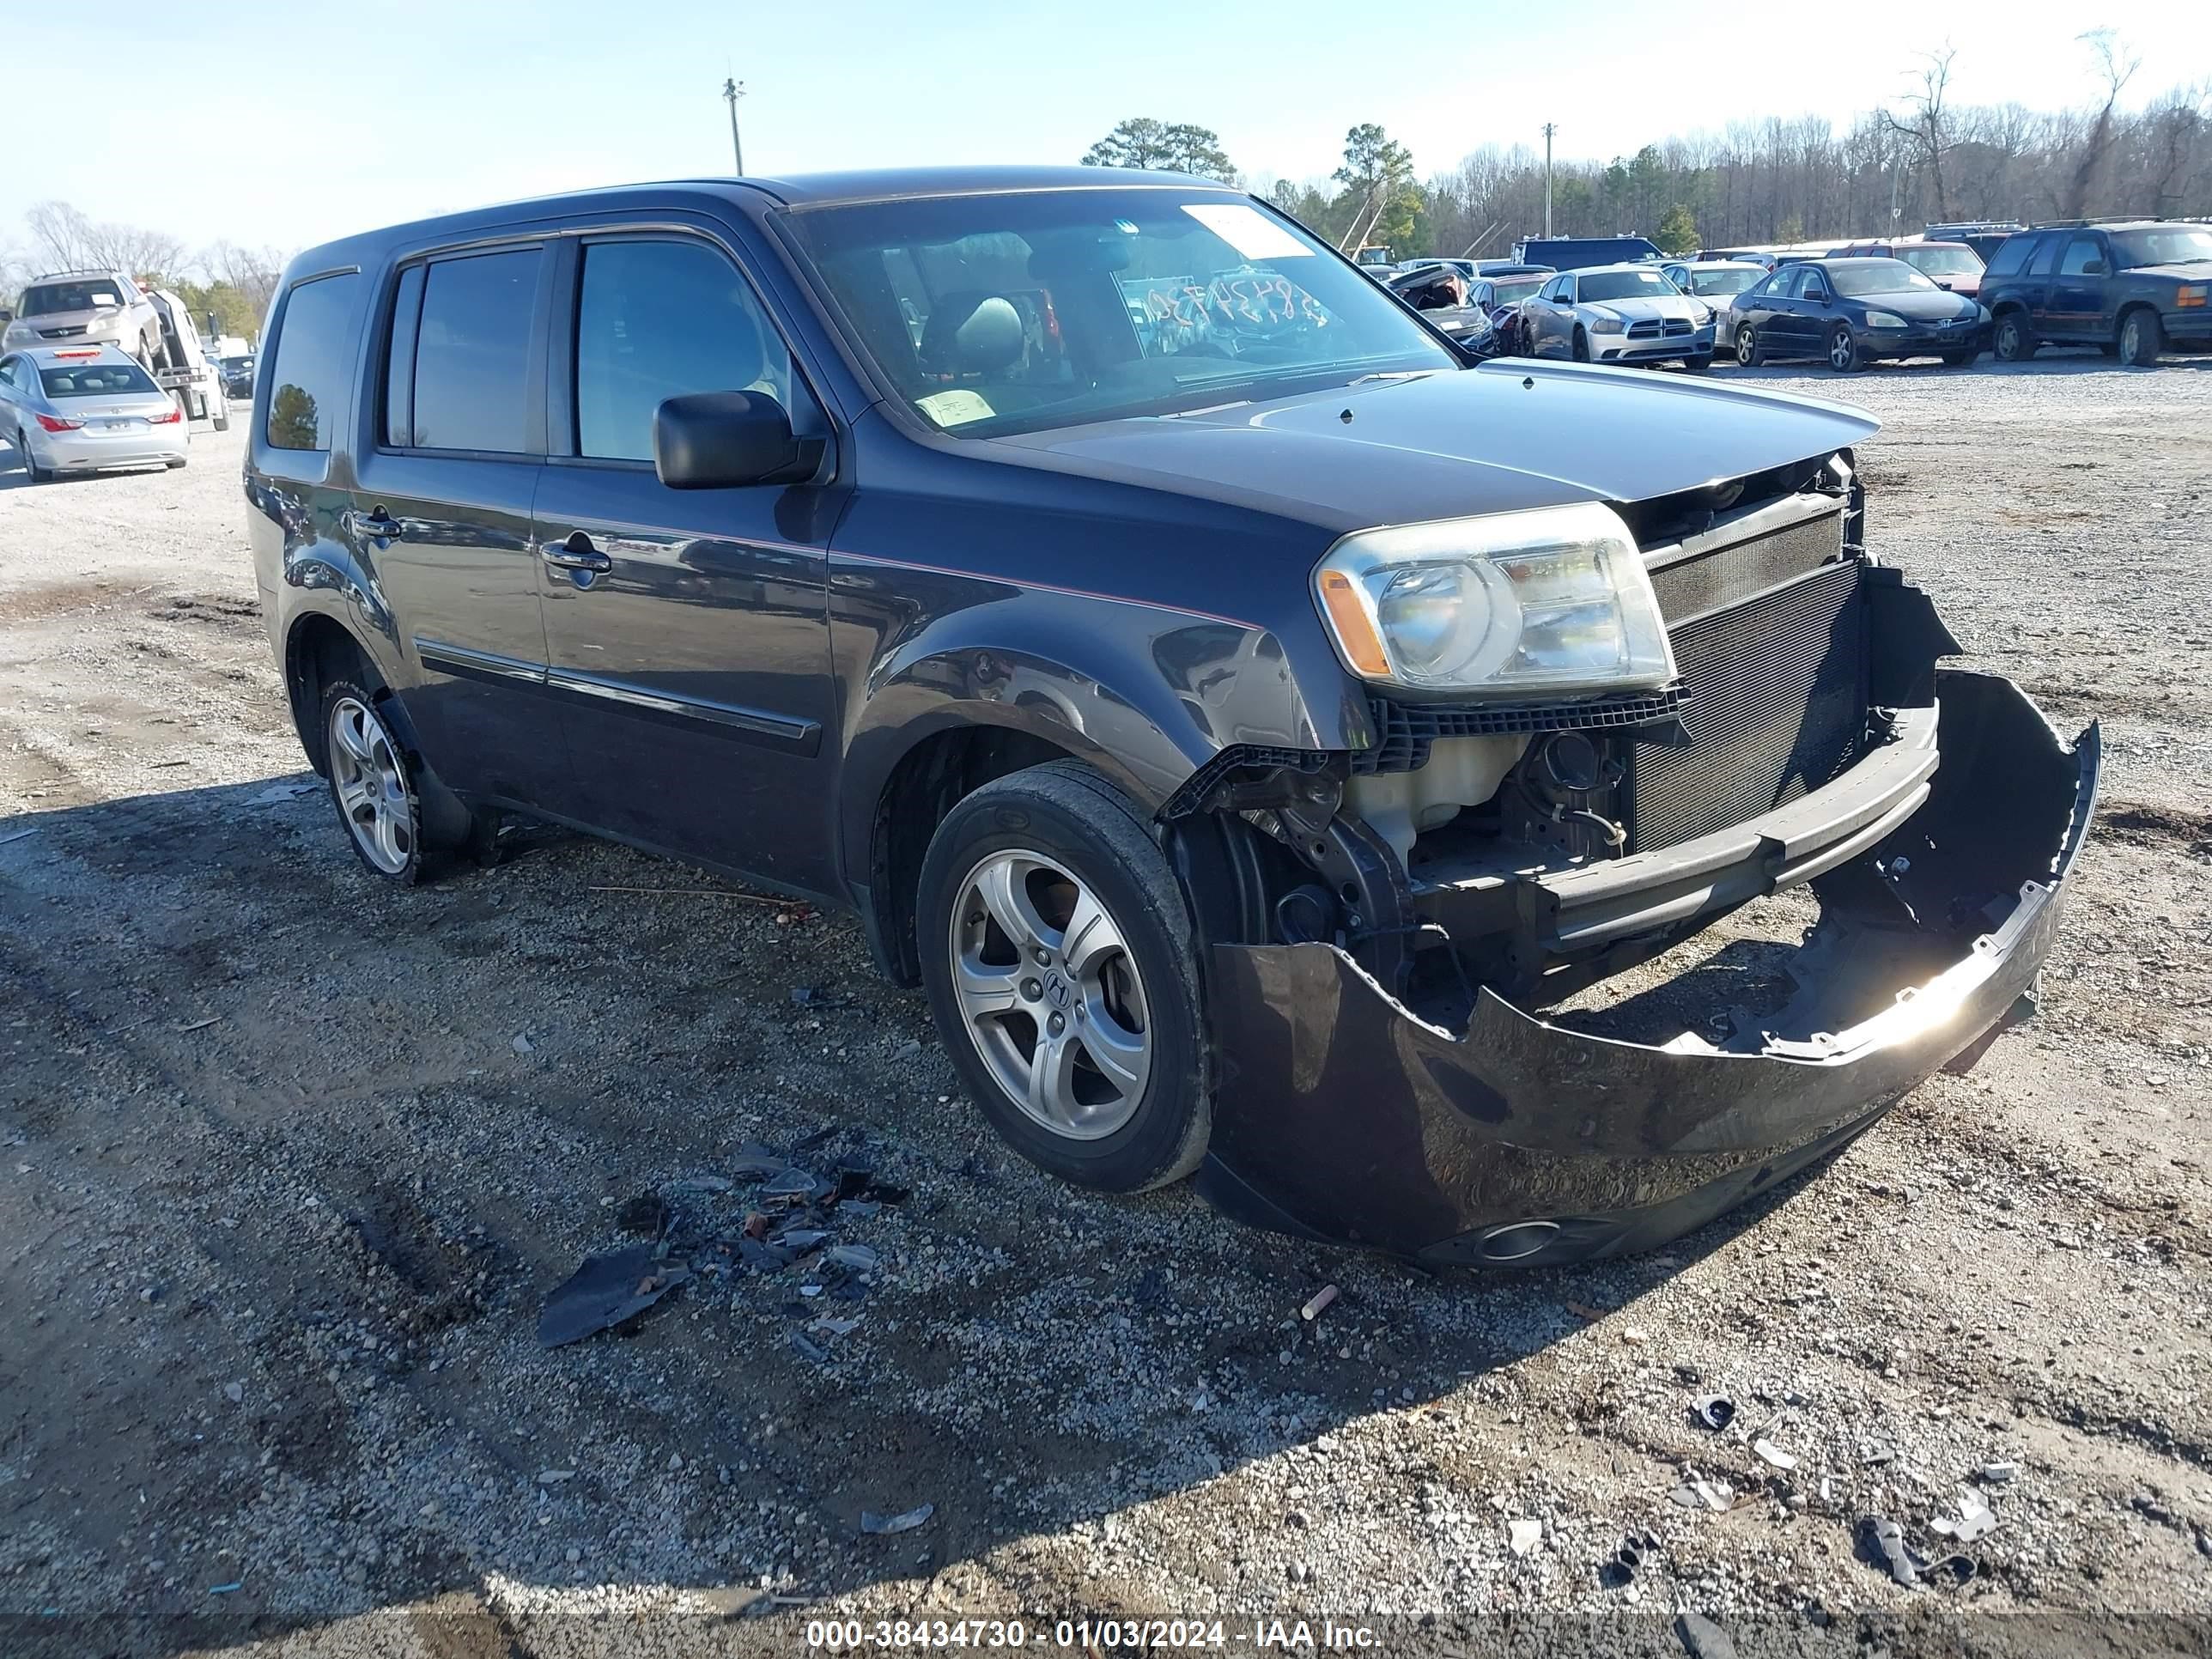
x: 1548, y: 130
x: 732, y: 91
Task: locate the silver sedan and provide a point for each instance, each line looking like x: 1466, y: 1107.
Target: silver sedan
x: 86, y: 408
x: 1617, y: 314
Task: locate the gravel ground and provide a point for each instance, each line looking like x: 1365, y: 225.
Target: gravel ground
x: 288, y: 1162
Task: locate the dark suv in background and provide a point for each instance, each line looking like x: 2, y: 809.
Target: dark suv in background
x: 1247, y: 722
x: 2134, y: 290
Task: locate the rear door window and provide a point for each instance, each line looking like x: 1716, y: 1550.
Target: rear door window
x: 313, y: 365
x: 658, y: 319
x: 472, y: 353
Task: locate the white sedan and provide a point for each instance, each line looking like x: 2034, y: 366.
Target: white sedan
x: 1618, y: 314
x: 83, y: 408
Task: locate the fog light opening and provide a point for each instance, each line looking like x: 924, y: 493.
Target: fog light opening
x: 1517, y: 1240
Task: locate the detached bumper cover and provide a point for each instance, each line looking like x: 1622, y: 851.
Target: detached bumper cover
x: 1341, y: 1115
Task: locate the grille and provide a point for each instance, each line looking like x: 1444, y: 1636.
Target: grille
x: 1645, y: 330
x: 1678, y: 325
x: 1773, y: 699
x: 68, y: 333
x: 1690, y: 587
x: 1404, y: 731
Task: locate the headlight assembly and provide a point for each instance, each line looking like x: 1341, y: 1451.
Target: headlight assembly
x: 1553, y: 601
x: 1883, y: 319
x: 1605, y: 325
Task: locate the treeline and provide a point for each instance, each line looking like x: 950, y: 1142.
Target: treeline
x: 1787, y: 181
x: 235, y: 284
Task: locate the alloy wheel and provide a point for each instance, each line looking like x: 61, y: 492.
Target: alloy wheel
x: 1841, y: 349
x: 1050, y: 994
x: 371, y: 780
x: 1747, y: 347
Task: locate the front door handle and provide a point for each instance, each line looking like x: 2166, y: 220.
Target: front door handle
x: 574, y: 553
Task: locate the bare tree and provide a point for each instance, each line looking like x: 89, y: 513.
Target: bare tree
x: 2115, y: 68
x: 253, y: 271
x: 70, y: 240
x: 1927, y: 129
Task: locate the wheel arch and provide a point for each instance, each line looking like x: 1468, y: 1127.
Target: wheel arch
x: 318, y: 648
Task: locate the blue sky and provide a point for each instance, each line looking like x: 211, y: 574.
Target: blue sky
x: 328, y: 120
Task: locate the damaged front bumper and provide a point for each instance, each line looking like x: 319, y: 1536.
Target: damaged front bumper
x: 1342, y: 1114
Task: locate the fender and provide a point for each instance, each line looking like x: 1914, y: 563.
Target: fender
x: 1148, y: 694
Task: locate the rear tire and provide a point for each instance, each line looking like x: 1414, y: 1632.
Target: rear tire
x: 39, y: 474
x: 2014, y: 341
x: 2142, y: 337
x: 372, y: 783
x: 1021, y: 875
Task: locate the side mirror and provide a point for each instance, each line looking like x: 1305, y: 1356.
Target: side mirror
x: 728, y: 439
x: 2094, y: 268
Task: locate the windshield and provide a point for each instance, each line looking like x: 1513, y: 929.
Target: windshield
x: 2183, y: 245
x: 48, y: 298
x: 1858, y: 277
x: 1018, y: 310
x: 1724, y: 281
x: 1624, y: 285
x: 1942, y: 261
x: 237, y: 365
x: 95, y: 380
x: 1511, y: 291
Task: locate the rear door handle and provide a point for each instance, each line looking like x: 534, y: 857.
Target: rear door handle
x: 377, y: 526
x: 575, y: 552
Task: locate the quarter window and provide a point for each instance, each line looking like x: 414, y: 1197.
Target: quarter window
x: 2011, y: 256
x: 472, y: 353
x: 658, y: 319
x: 314, y: 363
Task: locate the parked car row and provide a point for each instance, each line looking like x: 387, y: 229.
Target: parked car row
x: 2133, y: 288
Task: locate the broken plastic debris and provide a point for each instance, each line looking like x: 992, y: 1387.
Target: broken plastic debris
x: 1770, y: 1453
x: 1702, y: 1638
x: 1524, y: 1534
x: 554, y: 1477
x: 756, y: 1163
x: 19, y: 835
x: 791, y: 1182
x: 705, y: 1183
x: 813, y: 1351
x: 1715, y: 1411
x: 604, y: 1292
x: 1996, y: 1475
x: 279, y: 792
x: 1715, y: 1495
x: 1886, y: 1539
x: 1322, y: 1299
x: 225, y: 1589
x: 1976, y: 1518
x: 522, y: 1044
x: 871, y: 1521
x: 830, y: 1326
x: 859, y: 1258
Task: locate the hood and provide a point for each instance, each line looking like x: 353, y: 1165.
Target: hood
x: 1968, y: 283
x: 1498, y: 437
x: 1665, y: 305
x: 2197, y: 272
x: 1919, y: 304
x: 92, y: 317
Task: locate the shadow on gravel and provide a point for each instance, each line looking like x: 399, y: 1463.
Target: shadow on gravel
x: 301, y: 1154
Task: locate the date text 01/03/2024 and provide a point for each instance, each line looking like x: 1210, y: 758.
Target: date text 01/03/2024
x: 1290, y: 1635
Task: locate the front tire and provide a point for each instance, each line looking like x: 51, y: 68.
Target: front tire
x: 1748, y: 355
x: 1959, y: 359
x: 1581, y: 347
x: 1698, y: 365
x: 2014, y: 342
x: 1844, y: 353
x: 2142, y: 337
x: 372, y: 783
x: 1062, y: 964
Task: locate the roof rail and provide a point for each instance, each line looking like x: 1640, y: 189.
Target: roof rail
x: 79, y: 270
x: 2101, y: 219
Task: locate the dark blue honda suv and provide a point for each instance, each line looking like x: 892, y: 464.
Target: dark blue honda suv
x: 1247, y: 720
